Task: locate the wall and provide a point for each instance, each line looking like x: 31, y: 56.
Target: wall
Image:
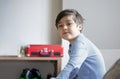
x: 101, y: 21
x: 24, y: 22
x: 101, y: 25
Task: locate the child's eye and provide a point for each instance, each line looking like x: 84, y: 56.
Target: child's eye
x: 60, y: 25
x: 68, y: 24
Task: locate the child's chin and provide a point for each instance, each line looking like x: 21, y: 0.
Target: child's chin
x: 66, y: 38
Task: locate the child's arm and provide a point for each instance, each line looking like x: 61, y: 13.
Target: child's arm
x: 77, y: 57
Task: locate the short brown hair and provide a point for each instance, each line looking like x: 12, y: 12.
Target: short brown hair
x: 77, y: 17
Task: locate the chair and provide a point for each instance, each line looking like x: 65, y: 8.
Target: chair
x: 114, y: 71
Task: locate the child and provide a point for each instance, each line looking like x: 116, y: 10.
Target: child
x: 86, y: 61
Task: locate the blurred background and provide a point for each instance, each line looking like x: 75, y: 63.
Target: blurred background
x: 24, y: 22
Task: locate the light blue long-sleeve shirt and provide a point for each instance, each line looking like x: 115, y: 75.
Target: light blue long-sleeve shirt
x: 86, y: 61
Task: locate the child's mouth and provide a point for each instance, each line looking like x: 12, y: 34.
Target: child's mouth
x: 65, y: 33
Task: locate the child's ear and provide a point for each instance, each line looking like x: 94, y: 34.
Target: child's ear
x: 80, y: 26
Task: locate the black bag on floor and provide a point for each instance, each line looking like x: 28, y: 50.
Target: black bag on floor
x: 30, y: 74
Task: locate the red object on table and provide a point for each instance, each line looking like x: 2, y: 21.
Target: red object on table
x: 44, y: 51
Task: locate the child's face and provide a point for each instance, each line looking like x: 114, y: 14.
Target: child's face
x: 68, y: 29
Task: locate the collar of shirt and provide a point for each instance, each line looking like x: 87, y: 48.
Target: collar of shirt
x: 79, y: 39
x: 75, y: 44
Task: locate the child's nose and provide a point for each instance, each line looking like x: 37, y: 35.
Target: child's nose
x: 64, y: 27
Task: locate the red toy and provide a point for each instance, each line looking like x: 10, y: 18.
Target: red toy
x: 44, y: 51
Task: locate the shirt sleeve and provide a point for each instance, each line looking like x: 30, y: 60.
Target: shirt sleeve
x: 77, y: 57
